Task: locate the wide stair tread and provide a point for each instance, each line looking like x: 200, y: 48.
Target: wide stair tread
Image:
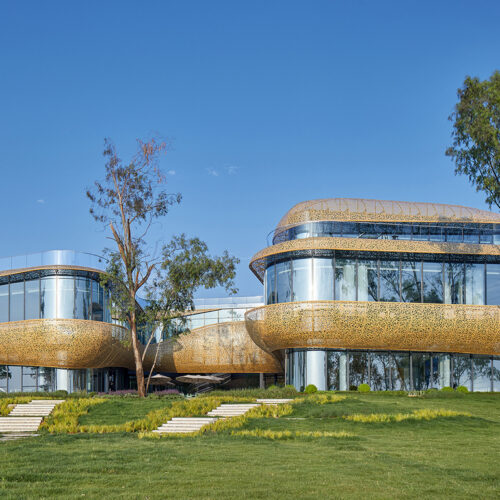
x: 184, y: 425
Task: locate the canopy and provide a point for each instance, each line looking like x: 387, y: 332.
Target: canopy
x: 159, y: 379
x: 198, y: 379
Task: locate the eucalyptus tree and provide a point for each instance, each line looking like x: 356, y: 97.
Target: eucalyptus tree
x: 127, y: 202
x: 476, y: 135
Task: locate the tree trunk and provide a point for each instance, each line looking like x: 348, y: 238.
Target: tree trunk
x: 139, y: 370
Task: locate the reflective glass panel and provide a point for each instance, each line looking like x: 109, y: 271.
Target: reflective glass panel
x: 97, y: 301
x: 474, y: 284
x: 4, y: 375
x: 46, y: 379
x: 496, y: 374
x: 411, y: 282
x: 17, y: 301
x: 345, y: 279
x: 462, y: 374
x: 323, y: 278
x: 65, y: 297
x: 390, y: 372
x: 32, y: 299
x: 302, y: 279
x: 333, y: 370
x: 270, y: 281
x: 454, y: 234
x: 15, y: 382
x: 454, y: 281
x: 422, y: 371
x: 481, y: 370
x: 389, y: 281
x: 82, y: 298
x: 30, y: 378
x: 433, y: 282
x: 359, y: 368
x: 4, y: 303
x: 48, y: 297
x: 367, y: 280
x: 493, y: 284
x: 283, y: 281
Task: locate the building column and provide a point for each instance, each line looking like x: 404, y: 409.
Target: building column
x: 316, y: 373
x: 62, y: 380
x: 343, y: 372
x: 445, y: 370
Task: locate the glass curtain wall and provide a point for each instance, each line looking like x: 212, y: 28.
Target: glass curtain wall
x: 391, y: 371
x: 50, y: 297
x: 323, y: 278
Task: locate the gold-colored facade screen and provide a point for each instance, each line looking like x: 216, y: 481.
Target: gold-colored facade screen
x: 377, y: 326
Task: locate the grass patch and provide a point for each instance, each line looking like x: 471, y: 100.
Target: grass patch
x: 425, y: 414
x: 301, y: 454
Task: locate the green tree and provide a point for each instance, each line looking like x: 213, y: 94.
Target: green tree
x: 476, y: 135
x: 127, y: 202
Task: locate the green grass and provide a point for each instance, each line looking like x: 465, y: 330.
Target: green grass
x: 453, y: 457
x: 121, y: 410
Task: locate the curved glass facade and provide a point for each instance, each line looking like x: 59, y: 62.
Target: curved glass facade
x: 50, y: 294
x: 452, y: 232
x: 388, y: 280
x: 386, y: 371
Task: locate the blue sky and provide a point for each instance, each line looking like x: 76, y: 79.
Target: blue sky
x: 264, y: 104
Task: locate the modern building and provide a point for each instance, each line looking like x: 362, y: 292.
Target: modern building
x: 393, y: 294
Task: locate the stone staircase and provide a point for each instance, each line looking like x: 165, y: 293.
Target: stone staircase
x: 274, y: 401
x: 24, y: 419
x: 184, y: 425
x: 232, y: 410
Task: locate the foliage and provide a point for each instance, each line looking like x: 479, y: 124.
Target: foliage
x: 320, y: 398
x: 426, y: 414
x: 446, y: 389
x: 276, y: 392
x: 128, y: 201
x: 462, y: 389
x: 363, y: 388
x: 311, y: 389
x: 476, y: 135
x: 277, y: 435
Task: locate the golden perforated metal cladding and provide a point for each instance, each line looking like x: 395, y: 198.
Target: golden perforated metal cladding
x: 377, y: 325
x: 365, y: 210
x: 218, y: 348
x: 44, y: 268
x: 64, y: 343
x: 257, y: 264
x: 73, y: 343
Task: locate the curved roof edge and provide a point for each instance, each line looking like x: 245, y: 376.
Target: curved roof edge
x: 368, y: 210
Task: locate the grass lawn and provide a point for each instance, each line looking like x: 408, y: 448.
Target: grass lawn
x: 455, y: 457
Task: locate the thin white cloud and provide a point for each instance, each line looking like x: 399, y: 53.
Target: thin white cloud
x: 171, y: 172
x: 232, y: 169
x: 41, y: 201
x: 213, y: 172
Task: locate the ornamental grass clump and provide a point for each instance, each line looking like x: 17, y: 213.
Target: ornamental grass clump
x: 462, y: 389
x: 321, y: 398
x: 426, y: 414
x: 364, y: 388
x: 277, y: 435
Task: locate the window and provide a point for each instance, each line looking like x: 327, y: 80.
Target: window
x: 454, y: 281
x: 389, y: 281
x: 492, y: 284
x: 474, y: 283
x: 97, y: 301
x: 82, y: 298
x: 65, y: 297
x: 411, y: 282
x: 433, y: 282
x: 302, y: 279
x: 283, y: 282
x: 323, y: 278
x: 345, y: 279
x: 367, y: 280
x: 32, y: 299
x: 270, y: 284
x: 17, y: 301
x: 48, y: 297
x: 4, y: 303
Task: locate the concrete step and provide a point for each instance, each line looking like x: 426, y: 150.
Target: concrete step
x: 184, y: 425
x: 192, y: 419
x: 274, y: 401
x: 16, y: 435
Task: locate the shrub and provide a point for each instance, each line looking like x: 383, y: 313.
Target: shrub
x: 290, y: 388
x: 425, y: 414
x: 364, y: 388
x: 311, y: 389
x: 447, y: 389
x: 463, y: 389
x: 273, y: 388
x: 353, y: 387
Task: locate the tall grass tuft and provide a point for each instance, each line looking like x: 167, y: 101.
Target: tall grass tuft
x: 425, y: 414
